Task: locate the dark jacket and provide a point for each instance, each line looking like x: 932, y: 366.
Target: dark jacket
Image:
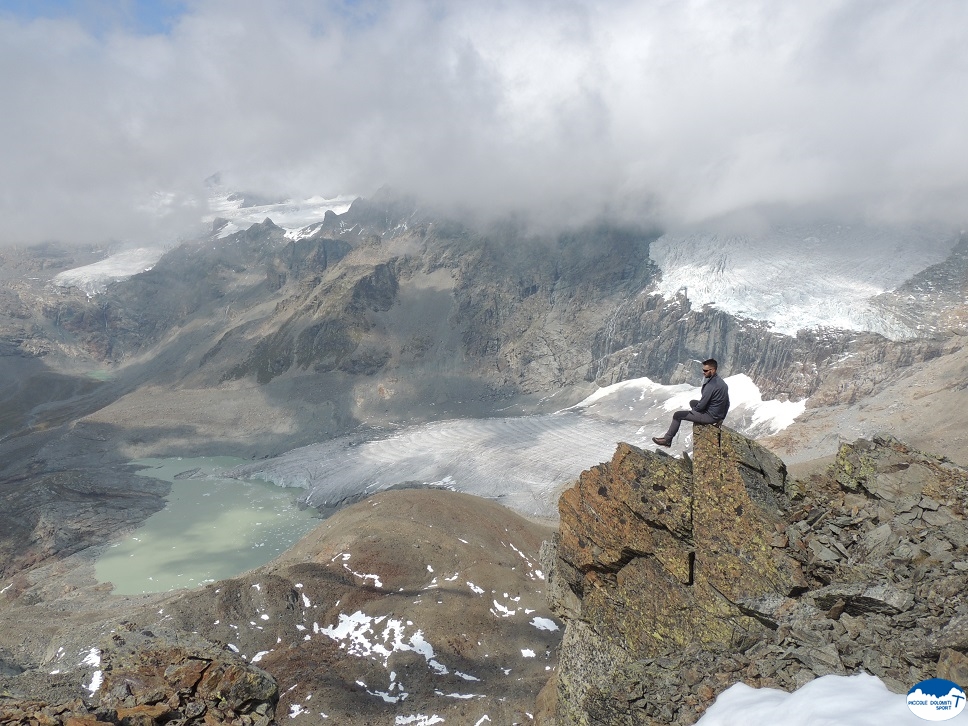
x: 715, y: 398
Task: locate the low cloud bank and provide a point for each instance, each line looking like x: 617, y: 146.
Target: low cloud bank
x: 668, y: 112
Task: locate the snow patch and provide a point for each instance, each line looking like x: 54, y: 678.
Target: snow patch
x: 97, y: 678
x: 346, y: 556
x: 858, y: 700
x: 501, y: 611
x: 357, y: 637
x: 296, y: 709
x: 544, y: 624
x: 417, y: 720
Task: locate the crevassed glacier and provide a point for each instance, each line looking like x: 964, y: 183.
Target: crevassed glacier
x: 800, y: 276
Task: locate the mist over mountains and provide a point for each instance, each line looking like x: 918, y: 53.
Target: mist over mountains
x: 654, y: 113
x: 566, y: 207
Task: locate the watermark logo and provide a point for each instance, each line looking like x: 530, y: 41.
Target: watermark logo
x: 936, y: 699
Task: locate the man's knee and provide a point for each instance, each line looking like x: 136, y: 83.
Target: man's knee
x: 681, y: 415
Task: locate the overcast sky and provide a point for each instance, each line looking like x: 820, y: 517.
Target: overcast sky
x: 112, y: 112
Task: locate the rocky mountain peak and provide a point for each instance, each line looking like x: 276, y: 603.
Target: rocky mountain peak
x: 678, y: 578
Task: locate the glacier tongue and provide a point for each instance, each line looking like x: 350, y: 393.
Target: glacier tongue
x: 93, y: 279
x: 522, y: 462
x: 800, y: 277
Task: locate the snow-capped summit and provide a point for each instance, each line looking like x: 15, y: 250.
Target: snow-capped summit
x: 241, y: 211
x: 234, y: 211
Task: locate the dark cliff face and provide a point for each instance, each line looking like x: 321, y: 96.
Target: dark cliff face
x: 678, y: 578
x: 323, y: 329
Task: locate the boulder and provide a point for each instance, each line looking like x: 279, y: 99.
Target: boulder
x: 662, y: 553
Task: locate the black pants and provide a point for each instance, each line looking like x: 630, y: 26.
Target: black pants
x: 679, y: 416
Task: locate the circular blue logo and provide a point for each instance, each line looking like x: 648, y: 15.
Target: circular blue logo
x: 936, y: 699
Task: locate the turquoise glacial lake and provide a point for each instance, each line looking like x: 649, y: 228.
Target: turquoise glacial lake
x: 211, y: 528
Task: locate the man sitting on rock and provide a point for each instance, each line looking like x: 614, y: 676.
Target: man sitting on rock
x: 711, y: 407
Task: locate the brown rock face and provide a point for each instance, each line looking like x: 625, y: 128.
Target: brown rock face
x: 161, y: 678
x: 154, y: 679
x: 694, y: 538
x: 678, y: 579
x: 658, y: 554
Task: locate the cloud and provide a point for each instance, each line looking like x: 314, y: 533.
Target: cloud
x: 674, y: 111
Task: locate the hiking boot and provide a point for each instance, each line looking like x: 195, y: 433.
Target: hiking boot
x: 661, y: 441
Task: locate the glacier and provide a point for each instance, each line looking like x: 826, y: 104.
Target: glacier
x: 93, y: 279
x: 795, y: 277
x: 523, y: 462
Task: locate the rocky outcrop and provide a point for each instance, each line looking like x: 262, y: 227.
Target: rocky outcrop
x: 184, y: 677
x: 150, y: 678
x: 678, y: 578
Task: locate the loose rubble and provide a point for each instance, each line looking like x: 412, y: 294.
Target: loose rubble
x: 164, y: 677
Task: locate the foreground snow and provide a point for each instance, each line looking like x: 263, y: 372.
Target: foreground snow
x: 523, y: 462
x: 800, y: 277
x: 859, y: 700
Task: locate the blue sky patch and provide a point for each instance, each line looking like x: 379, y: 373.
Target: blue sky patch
x: 148, y: 17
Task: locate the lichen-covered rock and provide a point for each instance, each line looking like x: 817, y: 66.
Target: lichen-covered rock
x: 157, y: 678
x: 662, y: 553
x: 678, y: 578
x: 184, y: 676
